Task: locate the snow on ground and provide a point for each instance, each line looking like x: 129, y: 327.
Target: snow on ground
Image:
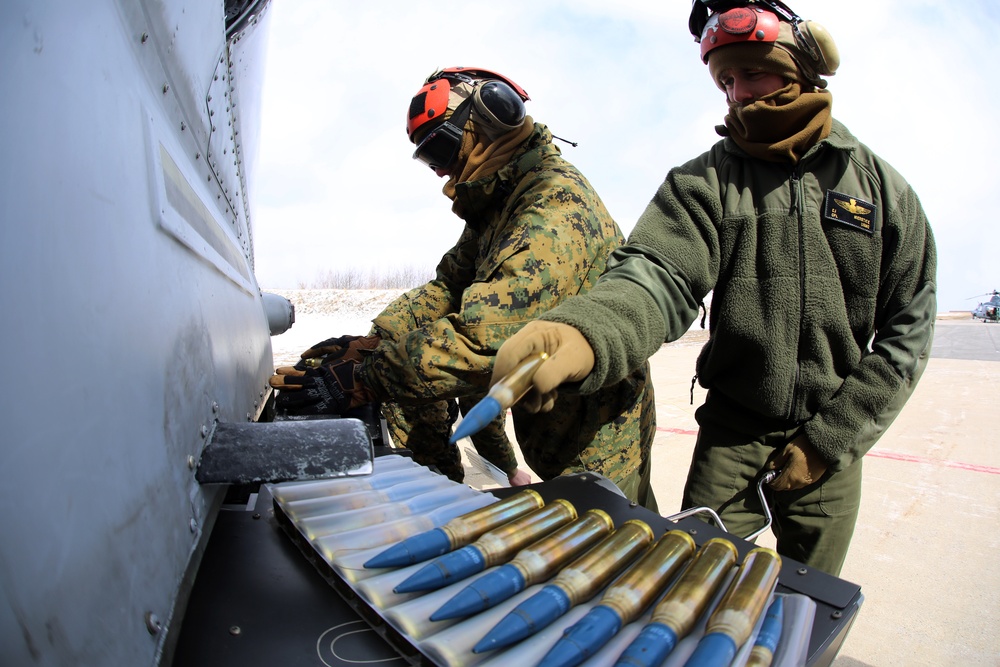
x: 325, y: 313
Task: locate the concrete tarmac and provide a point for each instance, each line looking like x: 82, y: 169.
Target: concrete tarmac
x: 925, y: 550
x: 926, y: 544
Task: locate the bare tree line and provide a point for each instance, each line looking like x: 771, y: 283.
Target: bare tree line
x: 400, y: 277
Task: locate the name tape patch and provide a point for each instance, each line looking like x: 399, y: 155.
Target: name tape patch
x: 850, y: 211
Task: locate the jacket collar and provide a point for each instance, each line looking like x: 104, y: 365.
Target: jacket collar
x: 840, y: 139
x: 481, y: 194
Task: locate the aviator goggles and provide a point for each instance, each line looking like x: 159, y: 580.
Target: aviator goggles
x: 439, y: 149
x: 702, y: 9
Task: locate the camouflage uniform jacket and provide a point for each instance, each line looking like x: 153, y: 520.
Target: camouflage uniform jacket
x: 822, y: 278
x: 536, y: 233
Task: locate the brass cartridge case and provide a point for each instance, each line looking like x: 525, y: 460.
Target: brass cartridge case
x: 541, y: 560
x: 744, y: 602
x: 499, y: 544
x: 464, y: 529
x: 582, y: 578
x: 688, y: 598
x: 644, y: 581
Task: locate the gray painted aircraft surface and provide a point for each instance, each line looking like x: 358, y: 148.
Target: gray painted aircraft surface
x: 135, y: 333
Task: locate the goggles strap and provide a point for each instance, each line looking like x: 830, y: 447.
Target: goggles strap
x: 456, y: 125
x: 462, y: 113
x: 701, y: 10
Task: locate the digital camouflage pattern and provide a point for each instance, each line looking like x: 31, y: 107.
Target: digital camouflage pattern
x: 426, y: 429
x: 536, y: 233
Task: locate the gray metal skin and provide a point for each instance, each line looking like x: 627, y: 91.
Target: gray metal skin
x: 132, y: 317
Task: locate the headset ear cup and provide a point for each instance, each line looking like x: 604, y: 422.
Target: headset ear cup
x: 821, y: 42
x: 498, y: 106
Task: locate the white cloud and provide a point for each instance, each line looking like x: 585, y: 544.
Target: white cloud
x: 336, y: 185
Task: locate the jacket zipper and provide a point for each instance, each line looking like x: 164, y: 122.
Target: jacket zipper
x: 797, y: 198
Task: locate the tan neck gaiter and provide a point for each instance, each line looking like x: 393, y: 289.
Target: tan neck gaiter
x: 479, y: 157
x: 782, y: 126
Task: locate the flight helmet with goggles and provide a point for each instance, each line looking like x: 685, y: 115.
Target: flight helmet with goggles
x: 494, y: 102
x: 716, y: 23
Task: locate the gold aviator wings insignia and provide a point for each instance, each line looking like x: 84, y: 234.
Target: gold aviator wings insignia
x: 852, y: 207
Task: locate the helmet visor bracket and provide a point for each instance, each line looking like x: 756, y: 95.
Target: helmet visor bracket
x: 702, y: 9
x: 439, y: 149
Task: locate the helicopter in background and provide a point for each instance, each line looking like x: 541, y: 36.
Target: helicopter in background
x: 987, y: 311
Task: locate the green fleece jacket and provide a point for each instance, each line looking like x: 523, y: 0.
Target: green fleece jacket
x: 822, y: 280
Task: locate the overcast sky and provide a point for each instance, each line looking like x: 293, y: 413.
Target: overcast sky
x: 335, y: 187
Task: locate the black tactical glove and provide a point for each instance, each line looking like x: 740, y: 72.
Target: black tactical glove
x: 348, y: 347
x: 330, y: 389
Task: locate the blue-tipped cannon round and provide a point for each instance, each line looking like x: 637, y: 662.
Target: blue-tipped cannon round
x: 650, y: 647
x: 535, y: 613
x: 481, y: 414
x: 412, y: 550
x: 584, y: 638
x: 447, y: 569
x: 716, y: 649
x: 484, y: 593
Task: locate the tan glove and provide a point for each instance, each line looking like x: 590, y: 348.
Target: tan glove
x: 800, y: 465
x: 570, y: 360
